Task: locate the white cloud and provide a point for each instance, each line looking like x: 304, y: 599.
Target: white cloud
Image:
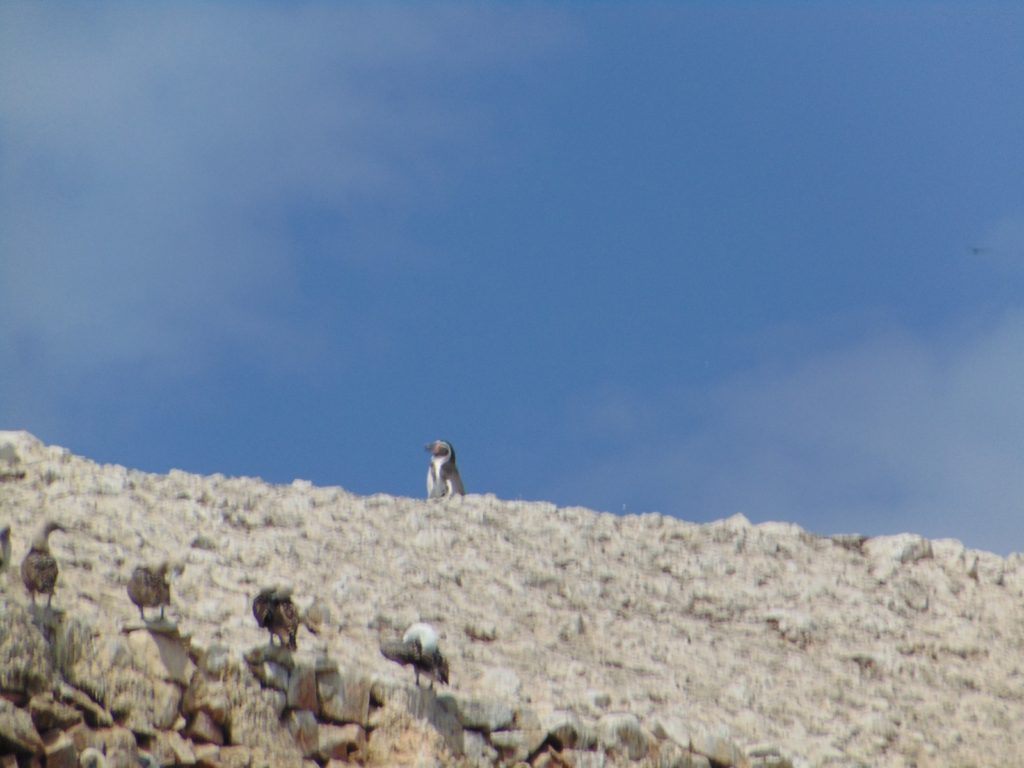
x: 150, y: 158
x: 898, y: 433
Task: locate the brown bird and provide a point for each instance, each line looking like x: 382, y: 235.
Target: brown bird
x: 5, y: 548
x: 148, y: 587
x: 275, y: 611
x: 39, y: 569
x: 419, y: 648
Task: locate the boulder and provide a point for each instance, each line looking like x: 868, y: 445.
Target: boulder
x: 305, y: 729
x: 202, y: 728
x: 206, y: 695
x: 27, y: 667
x: 302, y: 689
x: 479, y: 715
x: 169, y: 748
x: 17, y: 731
x: 162, y: 656
x: 342, y: 742
x: 48, y: 713
x: 718, y: 746
x: 620, y: 733
x: 59, y: 751
x: 344, y: 698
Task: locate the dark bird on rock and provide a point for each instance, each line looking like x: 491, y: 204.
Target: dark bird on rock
x: 418, y: 647
x: 148, y: 587
x: 39, y: 569
x: 5, y: 548
x: 275, y: 611
x: 443, y: 479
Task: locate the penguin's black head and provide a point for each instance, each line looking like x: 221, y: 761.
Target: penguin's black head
x: 441, y: 449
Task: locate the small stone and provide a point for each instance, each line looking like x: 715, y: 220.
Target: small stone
x: 94, y: 714
x: 204, y: 542
x: 304, y: 728
x: 671, y: 755
x: 47, y: 713
x: 502, y: 683
x: 915, y: 595
x: 207, y: 755
x: 621, y: 733
x: 477, y: 715
x: 235, y: 757
x: 482, y: 632
x: 204, y: 694
x: 516, y: 745
x: 116, y: 742
x: 272, y: 675
x: 568, y: 731
x: 767, y: 756
x: 318, y: 615
x: 169, y: 748
x: 215, y: 660
x: 853, y: 542
x: 478, y: 750
x: 342, y: 742
x: 16, y: 729
x: 919, y: 549
x: 166, y: 703
x: 160, y: 655
x: 794, y: 626
x: 344, y: 698
x: 60, y: 751
x: 717, y: 747
x: 302, y: 693
x: 203, y: 728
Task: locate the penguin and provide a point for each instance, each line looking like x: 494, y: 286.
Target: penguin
x: 418, y: 647
x: 148, y: 587
x: 275, y: 611
x: 443, y: 479
x: 39, y: 568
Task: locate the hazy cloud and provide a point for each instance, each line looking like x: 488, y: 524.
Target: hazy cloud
x: 154, y: 161
x: 895, y: 433
x: 1002, y: 243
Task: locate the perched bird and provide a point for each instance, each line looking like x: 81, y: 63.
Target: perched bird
x: 443, y: 480
x: 148, y: 587
x: 5, y: 548
x: 39, y: 569
x: 275, y: 611
x: 419, y: 648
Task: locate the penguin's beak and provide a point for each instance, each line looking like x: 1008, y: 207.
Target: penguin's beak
x: 430, y: 447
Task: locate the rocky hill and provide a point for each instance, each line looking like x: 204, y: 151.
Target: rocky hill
x: 573, y: 637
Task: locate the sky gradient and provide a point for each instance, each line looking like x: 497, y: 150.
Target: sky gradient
x: 694, y: 258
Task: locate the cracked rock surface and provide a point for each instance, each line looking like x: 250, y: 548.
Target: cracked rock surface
x: 737, y: 644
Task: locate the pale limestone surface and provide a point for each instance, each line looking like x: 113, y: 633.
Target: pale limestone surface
x: 894, y: 651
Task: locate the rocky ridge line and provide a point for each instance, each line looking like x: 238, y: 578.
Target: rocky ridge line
x: 575, y: 637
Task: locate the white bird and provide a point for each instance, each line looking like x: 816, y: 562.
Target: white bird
x: 419, y: 647
x: 92, y: 758
x: 443, y: 479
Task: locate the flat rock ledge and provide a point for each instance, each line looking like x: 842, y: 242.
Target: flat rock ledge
x: 74, y: 695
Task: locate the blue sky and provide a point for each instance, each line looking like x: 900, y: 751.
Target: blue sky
x: 695, y: 258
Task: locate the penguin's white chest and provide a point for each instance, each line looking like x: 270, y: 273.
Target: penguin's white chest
x: 434, y: 474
